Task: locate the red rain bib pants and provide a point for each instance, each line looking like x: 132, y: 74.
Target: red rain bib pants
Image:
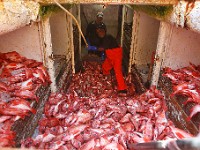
x: 114, y: 60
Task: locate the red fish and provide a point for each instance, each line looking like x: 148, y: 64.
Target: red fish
x: 56, y: 145
x: 25, y: 85
x: 194, y: 110
x: 13, y: 56
x: 21, y: 104
x: 194, y: 94
x: 6, y: 141
x: 126, y: 118
x: 74, y: 131
x: 13, y: 112
x: 14, y: 66
x: 149, y: 129
x: 83, y: 116
x: 44, y: 138
x: 3, y: 86
x: 114, y: 146
x: 89, y: 145
x: 26, y: 94
x: 49, y: 122
x: 39, y: 74
x: 182, y: 86
x: 180, y: 134
x: 43, y: 69
x: 30, y: 63
x: 4, y: 118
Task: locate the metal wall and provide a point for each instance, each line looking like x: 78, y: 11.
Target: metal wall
x: 26, y: 41
x: 184, y: 47
x: 146, y: 42
x: 59, y: 36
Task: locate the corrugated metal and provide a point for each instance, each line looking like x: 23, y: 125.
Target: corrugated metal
x: 149, y: 2
x: 15, y: 14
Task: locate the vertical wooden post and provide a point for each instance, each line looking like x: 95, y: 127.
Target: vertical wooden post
x: 122, y: 26
x: 134, y: 38
x: 71, y: 41
x: 79, y: 20
x: 48, y: 52
x: 164, y: 36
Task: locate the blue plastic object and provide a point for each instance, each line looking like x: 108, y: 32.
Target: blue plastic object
x: 92, y: 48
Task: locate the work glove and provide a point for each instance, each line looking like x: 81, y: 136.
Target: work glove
x: 91, y: 48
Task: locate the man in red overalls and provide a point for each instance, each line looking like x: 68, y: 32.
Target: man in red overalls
x: 113, y: 58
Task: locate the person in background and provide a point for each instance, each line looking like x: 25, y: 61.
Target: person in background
x: 91, y: 35
x: 113, y: 57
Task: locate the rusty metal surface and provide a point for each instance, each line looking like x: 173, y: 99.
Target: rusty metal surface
x: 176, y: 112
x: 149, y: 2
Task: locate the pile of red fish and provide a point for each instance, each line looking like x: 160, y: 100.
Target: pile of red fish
x: 101, y: 121
x: 19, y: 79
x: 186, y: 82
x: 92, y: 83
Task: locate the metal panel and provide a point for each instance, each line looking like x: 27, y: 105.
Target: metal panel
x: 25, y: 41
x: 147, y: 39
x: 59, y: 33
x: 183, y: 48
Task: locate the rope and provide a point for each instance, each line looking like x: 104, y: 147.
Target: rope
x: 79, y: 28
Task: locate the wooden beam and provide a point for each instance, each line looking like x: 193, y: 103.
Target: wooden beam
x: 162, y: 44
x: 142, y: 2
x: 48, y: 52
x: 122, y: 25
x: 134, y: 37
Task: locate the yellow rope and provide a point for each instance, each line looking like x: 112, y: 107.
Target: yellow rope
x: 73, y: 19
